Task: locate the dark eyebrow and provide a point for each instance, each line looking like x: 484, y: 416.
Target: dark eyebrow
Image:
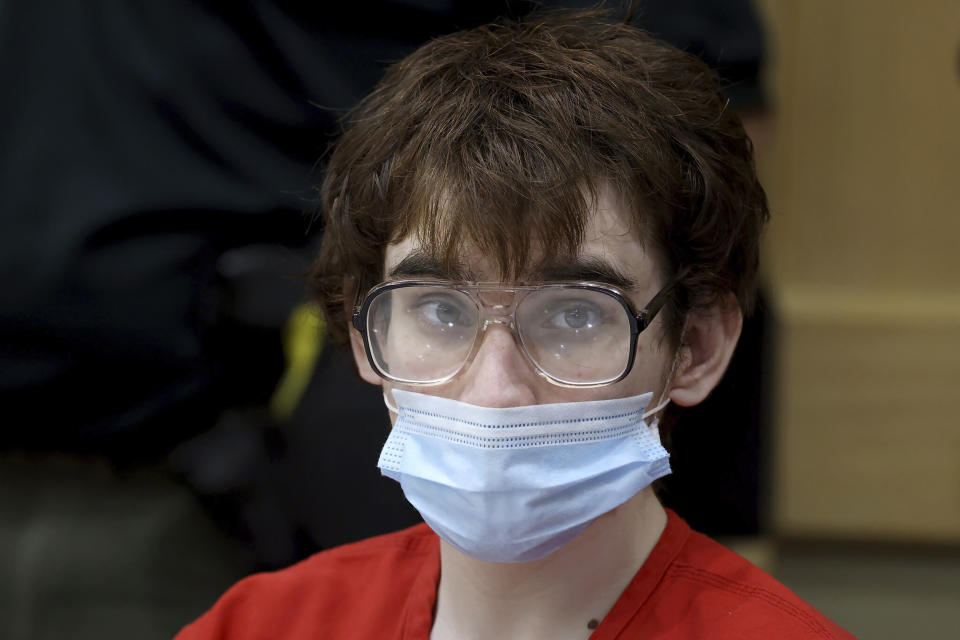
x: 585, y: 268
x: 589, y: 268
x: 421, y: 265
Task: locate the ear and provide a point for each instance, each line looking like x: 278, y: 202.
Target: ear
x: 356, y: 340
x: 707, y: 346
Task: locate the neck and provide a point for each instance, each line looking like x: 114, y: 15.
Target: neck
x: 556, y: 596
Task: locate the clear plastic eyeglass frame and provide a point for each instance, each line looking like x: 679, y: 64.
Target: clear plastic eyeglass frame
x: 490, y: 311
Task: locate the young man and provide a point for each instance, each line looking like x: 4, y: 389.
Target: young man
x: 540, y: 237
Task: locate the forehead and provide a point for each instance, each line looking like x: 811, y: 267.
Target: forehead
x: 612, y: 249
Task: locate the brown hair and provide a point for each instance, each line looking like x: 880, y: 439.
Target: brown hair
x: 493, y: 135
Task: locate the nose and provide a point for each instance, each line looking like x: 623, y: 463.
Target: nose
x: 499, y: 376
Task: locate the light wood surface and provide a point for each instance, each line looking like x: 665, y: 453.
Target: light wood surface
x: 863, y: 256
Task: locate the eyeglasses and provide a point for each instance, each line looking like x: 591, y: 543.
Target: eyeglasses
x: 577, y: 334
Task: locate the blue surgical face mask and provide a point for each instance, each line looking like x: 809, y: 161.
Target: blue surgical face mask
x: 515, y: 484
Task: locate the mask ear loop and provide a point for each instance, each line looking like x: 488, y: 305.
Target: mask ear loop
x: 666, y: 387
x: 386, y: 401
x: 657, y: 409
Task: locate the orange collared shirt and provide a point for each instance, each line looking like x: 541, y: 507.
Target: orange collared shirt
x: 385, y: 588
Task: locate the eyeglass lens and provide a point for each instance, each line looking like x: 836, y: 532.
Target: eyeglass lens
x: 426, y: 333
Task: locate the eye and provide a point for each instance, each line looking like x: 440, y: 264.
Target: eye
x: 574, y: 316
x: 439, y: 311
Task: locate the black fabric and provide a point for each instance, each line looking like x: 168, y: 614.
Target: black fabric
x: 726, y: 34
x: 140, y: 141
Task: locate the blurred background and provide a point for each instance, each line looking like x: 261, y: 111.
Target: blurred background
x: 173, y: 418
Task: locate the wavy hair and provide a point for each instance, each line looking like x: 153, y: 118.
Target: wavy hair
x: 494, y: 135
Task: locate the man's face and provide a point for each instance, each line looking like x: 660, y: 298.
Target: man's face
x: 500, y: 375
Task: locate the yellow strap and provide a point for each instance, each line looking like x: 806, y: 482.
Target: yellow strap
x: 303, y: 338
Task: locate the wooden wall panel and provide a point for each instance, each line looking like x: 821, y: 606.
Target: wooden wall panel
x: 870, y: 444
x: 863, y: 255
